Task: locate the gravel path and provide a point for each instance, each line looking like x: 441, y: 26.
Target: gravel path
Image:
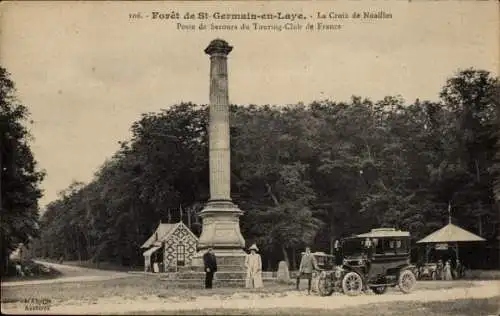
x: 70, y: 274
x: 108, y: 305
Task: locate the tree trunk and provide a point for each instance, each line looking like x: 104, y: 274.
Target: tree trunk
x: 368, y: 150
x: 477, y: 171
x: 189, y: 212
x: 78, y: 249
x: 294, y: 262
x: 480, y: 222
x: 285, y: 256
x: 332, y: 241
x: 88, y: 245
x: 1, y: 171
x: 270, y: 192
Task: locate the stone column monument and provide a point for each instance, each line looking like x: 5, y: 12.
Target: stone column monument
x: 220, y: 217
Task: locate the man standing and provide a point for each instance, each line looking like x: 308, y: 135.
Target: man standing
x: 210, y: 263
x: 338, y: 253
x: 307, y: 265
x: 369, y: 248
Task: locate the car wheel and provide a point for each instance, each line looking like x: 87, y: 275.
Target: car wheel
x: 352, y: 284
x: 379, y: 289
x: 406, y: 281
x: 325, y: 286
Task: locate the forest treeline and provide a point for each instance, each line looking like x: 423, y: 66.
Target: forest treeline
x: 303, y: 174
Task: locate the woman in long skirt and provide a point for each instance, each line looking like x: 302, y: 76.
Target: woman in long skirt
x: 253, y: 264
x: 447, y: 272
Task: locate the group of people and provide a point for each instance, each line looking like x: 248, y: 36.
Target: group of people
x: 447, y: 272
x: 253, y: 265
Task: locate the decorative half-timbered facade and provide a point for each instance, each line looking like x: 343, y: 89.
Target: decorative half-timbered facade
x: 170, y: 246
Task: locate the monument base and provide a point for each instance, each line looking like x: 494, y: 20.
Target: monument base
x: 228, y: 260
x: 230, y: 270
x: 221, y: 226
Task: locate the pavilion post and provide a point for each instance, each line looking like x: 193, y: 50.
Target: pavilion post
x: 427, y: 251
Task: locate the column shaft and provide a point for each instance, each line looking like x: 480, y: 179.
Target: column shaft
x: 220, y: 177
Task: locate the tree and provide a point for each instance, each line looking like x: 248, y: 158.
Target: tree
x: 471, y: 98
x: 271, y: 153
x: 19, y: 177
x: 303, y: 174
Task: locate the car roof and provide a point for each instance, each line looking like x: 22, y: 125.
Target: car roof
x: 318, y: 253
x: 384, y: 232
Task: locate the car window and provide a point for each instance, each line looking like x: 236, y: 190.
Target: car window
x: 401, y: 246
x: 390, y: 247
x: 379, y: 248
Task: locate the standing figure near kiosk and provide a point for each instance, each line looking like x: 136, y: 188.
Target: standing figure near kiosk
x: 210, y: 263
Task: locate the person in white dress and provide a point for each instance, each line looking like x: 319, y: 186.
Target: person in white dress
x: 253, y: 264
x: 447, y: 272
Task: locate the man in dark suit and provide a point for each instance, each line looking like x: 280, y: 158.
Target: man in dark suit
x: 210, y: 262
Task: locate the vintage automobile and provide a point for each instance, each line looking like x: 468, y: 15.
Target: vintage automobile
x: 428, y: 271
x: 324, y: 262
x: 386, y: 263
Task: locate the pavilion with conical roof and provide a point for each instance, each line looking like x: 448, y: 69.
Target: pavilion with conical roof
x: 449, y: 234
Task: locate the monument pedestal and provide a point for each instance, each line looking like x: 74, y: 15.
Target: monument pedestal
x: 230, y: 268
x: 221, y: 232
x: 227, y: 261
x: 221, y: 226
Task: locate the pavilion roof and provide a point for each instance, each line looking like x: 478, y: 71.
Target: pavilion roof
x: 162, y: 231
x: 450, y: 233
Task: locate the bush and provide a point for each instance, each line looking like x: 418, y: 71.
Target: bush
x: 30, y: 269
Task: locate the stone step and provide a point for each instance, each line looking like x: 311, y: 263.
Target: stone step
x: 220, y: 268
x: 200, y: 284
x: 195, y: 281
x: 201, y: 275
x: 239, y: 285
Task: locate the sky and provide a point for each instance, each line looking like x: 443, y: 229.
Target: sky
x: 86, y: 71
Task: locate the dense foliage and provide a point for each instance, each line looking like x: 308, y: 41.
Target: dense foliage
x: 303, y: 174
x: 19, y: 178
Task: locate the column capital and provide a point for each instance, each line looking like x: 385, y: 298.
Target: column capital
x: 219, y: 47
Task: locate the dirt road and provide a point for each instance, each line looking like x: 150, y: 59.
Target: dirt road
x: 292, y: 299
x: 70, y: 274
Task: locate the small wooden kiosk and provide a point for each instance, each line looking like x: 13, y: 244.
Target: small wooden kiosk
x: 170, y: 246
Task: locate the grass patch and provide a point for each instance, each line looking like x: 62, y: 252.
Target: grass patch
x: 140, y: 285
x: 463, y: 307
x: 128, y: 287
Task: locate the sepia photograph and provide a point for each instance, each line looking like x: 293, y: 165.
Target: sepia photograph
x: 250, y: 157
